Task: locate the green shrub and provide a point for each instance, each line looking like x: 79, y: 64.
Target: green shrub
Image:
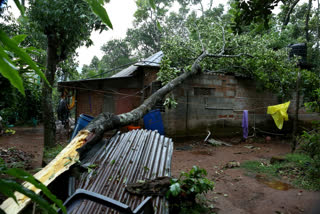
x: 183, y: 191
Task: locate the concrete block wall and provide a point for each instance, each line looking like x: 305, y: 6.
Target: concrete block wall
x: 216, y: 103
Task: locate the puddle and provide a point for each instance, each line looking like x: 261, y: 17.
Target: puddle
x: 274, y: 184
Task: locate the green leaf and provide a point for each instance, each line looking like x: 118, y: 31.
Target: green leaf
x: 152, y: 4
x: 175, y: 189
x: 20, y: 7
x: 10, y: 73
x: 159, y: 26
x: 19, y: 38
x: 112, y: 162
x: 8, y: 187
x: 20, y: 174
x: 7, y: 191
x: 98, y: 9
x: 21, y: 53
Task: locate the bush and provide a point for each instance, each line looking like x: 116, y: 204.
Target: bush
x: 183, y: 191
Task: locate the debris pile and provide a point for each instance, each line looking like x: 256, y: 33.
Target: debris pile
x: 16, y: 158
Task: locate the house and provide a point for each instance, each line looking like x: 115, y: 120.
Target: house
x: 209, y: 101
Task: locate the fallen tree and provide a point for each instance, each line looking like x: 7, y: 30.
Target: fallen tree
x: 93, y: 133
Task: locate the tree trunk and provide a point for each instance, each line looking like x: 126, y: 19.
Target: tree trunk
x: 307, y: 21
x: 288, y: 14
x: 47, y: 106
x: 296, y: 116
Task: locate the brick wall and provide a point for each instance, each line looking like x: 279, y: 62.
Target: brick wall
x: 127, y: 100
x: 89, y: 102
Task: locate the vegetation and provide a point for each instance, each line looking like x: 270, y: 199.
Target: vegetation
x: 50, y: 153
x: 9, y: 185
x: 253, y: 45
x: 299, y: 168
x: 184, y: 190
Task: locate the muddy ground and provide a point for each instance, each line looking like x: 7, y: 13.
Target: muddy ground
x: 26, y: 139
x: 236, y: 191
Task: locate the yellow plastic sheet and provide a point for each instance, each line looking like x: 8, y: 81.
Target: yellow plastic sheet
x: 279, y: 113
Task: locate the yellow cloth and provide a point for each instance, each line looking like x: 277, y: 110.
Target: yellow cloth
x: 279, y: 113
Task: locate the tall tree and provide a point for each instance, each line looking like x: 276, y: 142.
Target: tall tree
x: 146, y: 34
x: 117, y: 53
x: 67, y: 24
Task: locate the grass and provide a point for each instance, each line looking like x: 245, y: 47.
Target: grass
x: 50, y: 153
x: 300, y: 169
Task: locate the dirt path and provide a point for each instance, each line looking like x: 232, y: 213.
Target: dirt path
x: 27, y: 139
x: 237, y: 192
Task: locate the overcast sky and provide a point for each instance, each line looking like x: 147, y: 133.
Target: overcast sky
x: 121, y: 15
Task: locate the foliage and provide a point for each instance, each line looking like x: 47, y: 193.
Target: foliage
x: 16, y: 108
x: 268, y: 64
x: 300, y: 168
x: 246, y: 12
x: 70, y: 22
x: 167, y: 73
x: 9, y: 49
x: 310, y: 140
x: 8, y: 186
x: 183, y: 191
x: 50, y: 153
x: 98, y: 9
x: 67, y: 70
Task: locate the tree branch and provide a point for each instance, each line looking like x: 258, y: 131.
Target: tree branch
x: 287, y: 17
x: 223, y: 40
x: 229, y: 56
x: 200, y: 40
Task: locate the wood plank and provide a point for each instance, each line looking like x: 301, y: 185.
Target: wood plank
x: 63, y: 161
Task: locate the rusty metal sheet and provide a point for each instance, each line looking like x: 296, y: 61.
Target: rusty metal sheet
x: 127, y: 158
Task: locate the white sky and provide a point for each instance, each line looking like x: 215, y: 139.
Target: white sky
x: 121, y: 15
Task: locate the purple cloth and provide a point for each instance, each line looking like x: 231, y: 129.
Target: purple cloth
x: 245, y: 124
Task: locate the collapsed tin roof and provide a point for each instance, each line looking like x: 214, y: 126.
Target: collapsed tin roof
x: 126, y: 158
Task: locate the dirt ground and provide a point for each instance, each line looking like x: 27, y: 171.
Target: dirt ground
x: 30, y: 141
x: 27, y: 139
x: 236, y: 191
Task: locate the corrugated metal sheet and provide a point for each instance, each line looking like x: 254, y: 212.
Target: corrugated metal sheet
x: 126, y: 72
x: 153, y: 60
x: 127, y: 158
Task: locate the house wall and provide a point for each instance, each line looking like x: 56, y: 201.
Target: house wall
x: 216, y: 103
x: 126, y: 100
x: 89, y: 102
x: 205, y: 102
x: 117, y: 96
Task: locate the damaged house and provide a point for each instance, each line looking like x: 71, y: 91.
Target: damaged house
x: 209, y: 101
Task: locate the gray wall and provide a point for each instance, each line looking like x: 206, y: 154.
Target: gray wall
x: 216, y: 103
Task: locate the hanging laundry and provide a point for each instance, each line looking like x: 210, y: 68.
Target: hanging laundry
x: 279, y: 113
x: 245, y: 124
